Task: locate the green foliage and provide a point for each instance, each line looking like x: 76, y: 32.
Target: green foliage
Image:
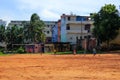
x: 14, y: 35
x: 35, y: 29
x: 1, y: 53
x: 107, y: 23
x: 2, y: 33
x: 1, y: 49
x: 20, y: 50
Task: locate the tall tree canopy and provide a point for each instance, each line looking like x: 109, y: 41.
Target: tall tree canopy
x: 107, y: 23
x: 35, y: 29
x: 14, y: 35
x: 2, y: 33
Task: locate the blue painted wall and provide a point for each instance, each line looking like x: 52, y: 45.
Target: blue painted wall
x: 55, y: 33
x: 81, y: 18
x: 63, y: 30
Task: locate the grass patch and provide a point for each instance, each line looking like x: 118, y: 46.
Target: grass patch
x: 2, y: 54
x: 68, y: 52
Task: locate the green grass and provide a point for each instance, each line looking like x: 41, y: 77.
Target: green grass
x: 2, y: 54
x: 70, y: 52
x: 67, y: 52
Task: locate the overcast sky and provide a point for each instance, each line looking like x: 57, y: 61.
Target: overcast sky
x: 49, y: 10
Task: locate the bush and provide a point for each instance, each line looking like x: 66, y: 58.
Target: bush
x: 1, y: 53
x: 114, y: 47
x: 1, y: 49
x: 20, y: 50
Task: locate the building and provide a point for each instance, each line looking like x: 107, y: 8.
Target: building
x: 2, y: 22
x: 56, y: 32
x: 59, y: 31
x: 48, y: 30
x: 75, y: 28
x: 19, y: 24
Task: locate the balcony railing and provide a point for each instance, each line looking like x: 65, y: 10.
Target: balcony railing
x: 79, y: 22
x: 77, y: 31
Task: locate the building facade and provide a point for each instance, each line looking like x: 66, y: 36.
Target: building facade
x: 59, y: 31
x: 2, y: 22
x: 56, y: 32
x: 49, y: 25
x: 75, y: 28
x: 19, y: 24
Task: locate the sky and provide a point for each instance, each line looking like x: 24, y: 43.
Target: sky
x: 50, y: 10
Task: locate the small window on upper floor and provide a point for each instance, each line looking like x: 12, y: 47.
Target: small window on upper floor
x: 77, y: 38
x: 85, y: 37
x: 71, y: 38
x: 81, y: 37
x: 68, y: 18
x: 68, y: 27
x: 48, y: 32
x: 88, y: 31
x: 87, y: 26
x: 89, y: 36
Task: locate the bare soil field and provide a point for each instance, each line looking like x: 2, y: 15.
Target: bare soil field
x: 60, y: 67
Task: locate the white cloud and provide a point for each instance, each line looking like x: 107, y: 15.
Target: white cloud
x: 52, y: 9
x: 49, y: 15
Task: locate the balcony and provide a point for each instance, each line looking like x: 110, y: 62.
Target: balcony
x: 77, y: 31
x: 79, y: 22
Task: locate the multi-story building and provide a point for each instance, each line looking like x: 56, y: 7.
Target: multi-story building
x: 56, y: 34
x: 48, y: 30
x: 75, y: 28
x: 2, y: 22
x: 19, y: 24
x: 59, y: 31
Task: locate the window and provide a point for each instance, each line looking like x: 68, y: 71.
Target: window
x: 47, y: 25
x: 80, y: 37
x: 68, y: 18
x: 87, y: 27
x: 89, y: 36
x: 77, y: 38
x: 88, y: 31
x: 48, y: 32
x: 78, y: 18
x: 68, y: 27
x: 85, y: 36
x: 71, y: 38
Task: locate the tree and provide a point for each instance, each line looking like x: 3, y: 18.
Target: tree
x: 35, y: 29
x: 107, y: 23
x: 26, y: 32
x: 2, y: 33
x: 14, y: 35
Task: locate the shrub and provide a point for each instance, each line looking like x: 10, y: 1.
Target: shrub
x: 1, y: 53
x: 1, y: 49
x: 20, y: 50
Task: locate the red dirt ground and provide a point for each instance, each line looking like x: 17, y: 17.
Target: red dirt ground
x: 60, y: 67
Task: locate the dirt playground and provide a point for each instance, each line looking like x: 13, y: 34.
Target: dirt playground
x: 60, y: 67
